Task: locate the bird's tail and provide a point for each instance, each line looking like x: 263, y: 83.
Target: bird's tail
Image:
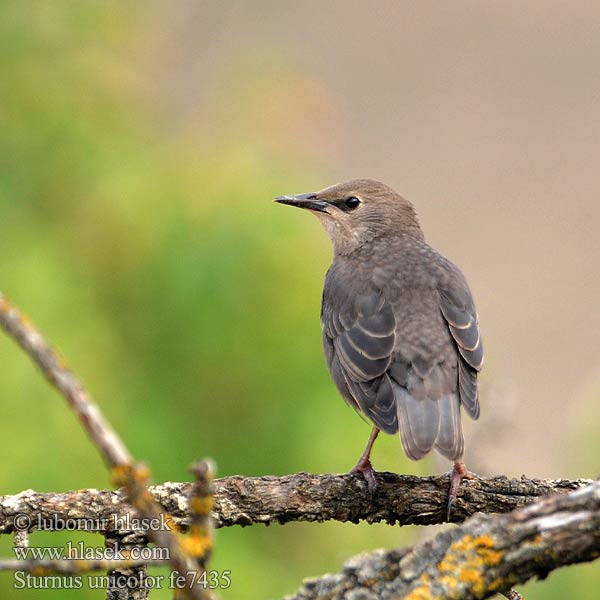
x: 425, y: 424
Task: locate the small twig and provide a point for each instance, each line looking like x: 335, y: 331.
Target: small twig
x: 134, y: 479
x: 20, y: 329
x: 199, y: 542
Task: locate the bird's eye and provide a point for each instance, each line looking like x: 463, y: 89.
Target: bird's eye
x: 352, y: 203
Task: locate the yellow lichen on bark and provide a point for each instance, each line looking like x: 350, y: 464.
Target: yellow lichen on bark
x: 202, y: 506
x: 423, y: 592
x: 463, y: 567
x: 196, y: 546
x: 466, y: 562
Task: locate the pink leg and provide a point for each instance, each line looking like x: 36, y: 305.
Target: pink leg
x: 458, y: 473
x: 364, y: 463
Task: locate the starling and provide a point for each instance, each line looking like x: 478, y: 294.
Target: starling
x: 400, y: 330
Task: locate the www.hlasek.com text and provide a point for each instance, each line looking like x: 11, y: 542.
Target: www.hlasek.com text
x: 79, y: 551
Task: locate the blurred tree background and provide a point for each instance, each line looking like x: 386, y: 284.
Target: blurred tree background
x: 141, y: 145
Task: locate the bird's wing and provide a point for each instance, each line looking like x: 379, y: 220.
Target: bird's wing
x: 359, y: 337
x: 458, y: 309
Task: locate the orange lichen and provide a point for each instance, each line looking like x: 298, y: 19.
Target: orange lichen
x: 421, y: 593
x: 467, y: 561
x: 141, y: 473
x: 449, y: 582
x: 202, y: 506
x: 127, y: 474
x: 170, y: 522
x: 196, y: 545
x: 463, y: 567
x: 120, y: 474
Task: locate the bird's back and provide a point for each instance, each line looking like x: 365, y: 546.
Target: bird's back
x: 394, y: 317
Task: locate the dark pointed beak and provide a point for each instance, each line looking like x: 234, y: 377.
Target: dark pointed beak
x: 308, y: 201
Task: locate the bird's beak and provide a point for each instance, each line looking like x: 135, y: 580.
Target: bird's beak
x: 308, y: 201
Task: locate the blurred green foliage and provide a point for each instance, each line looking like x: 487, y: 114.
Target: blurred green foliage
x: 153, y: 258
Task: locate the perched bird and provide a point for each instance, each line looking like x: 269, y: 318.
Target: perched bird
x: 400, y: 330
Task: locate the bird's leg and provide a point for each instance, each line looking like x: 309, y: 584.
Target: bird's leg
x: 458, y: 473
x: 364, y: 463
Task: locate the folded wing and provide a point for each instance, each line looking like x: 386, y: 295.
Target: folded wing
x: 456, y: 304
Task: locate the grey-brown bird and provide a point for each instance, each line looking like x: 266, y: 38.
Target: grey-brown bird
x: 400, y: 330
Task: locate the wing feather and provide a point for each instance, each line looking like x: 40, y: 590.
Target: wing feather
x: 359, y: 341
x: 458, y: 309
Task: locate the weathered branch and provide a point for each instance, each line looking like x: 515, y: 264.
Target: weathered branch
x: 244, y: 501
x: 485, y: 555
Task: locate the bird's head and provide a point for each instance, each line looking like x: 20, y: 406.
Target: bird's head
x: 358, y: 211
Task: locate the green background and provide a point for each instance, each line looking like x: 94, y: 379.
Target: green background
x: 144, y: 244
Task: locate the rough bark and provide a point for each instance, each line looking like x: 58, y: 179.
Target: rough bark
x: 245, y: 501
x: 486, y: 555
x: 126, y: 584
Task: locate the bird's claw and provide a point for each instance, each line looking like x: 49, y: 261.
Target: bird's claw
x: 368, y: 472
x: 458, y: 473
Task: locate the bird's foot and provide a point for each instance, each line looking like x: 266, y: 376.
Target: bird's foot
x: 365, y: 467
x: 458, y: 473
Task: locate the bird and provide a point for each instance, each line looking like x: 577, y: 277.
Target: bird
x: 400, y: 330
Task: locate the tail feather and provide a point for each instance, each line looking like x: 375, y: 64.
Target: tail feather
x: 450, y: 442
x: 419, y: 422
x: 426, y: 424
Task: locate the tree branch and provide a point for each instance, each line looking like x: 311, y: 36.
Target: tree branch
x: 486, y: 555
x: 245, y: 501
